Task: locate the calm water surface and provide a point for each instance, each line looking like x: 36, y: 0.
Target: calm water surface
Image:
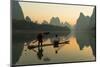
x: 65, y: 53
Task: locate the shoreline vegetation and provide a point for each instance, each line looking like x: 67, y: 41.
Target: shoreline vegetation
x: 23, y: 29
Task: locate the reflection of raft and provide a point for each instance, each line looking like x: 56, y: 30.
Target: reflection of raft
x: 35, y: 46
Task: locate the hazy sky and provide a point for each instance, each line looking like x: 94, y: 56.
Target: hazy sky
x: 43, y: 11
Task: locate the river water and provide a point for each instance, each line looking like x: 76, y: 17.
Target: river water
x: 64, y: 53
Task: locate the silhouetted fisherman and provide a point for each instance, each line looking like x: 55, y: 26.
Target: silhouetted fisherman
x: 40, y: 39
x: 56, y: 41
x: 56, y: 51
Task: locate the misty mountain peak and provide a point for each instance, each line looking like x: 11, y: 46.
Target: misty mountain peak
x: 17, y: 12
x: 81, y: 14
x: 55, y: 21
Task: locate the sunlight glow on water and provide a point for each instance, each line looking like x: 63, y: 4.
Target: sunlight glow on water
x: 67, y: 53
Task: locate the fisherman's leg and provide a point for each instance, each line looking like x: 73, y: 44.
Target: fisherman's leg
x: 41, y: 43
x: 38, y: 43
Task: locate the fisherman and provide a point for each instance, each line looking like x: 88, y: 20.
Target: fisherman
x: 40, y: 39
x: 56, y: 41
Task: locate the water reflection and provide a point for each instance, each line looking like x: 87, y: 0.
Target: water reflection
x: 67, y: 51
x: 17, y: 49
x: 86, y: 38
x: 40, y: 52
x: 54, y: 41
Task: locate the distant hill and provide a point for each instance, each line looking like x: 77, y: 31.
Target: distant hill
x: 28, y: 24
x: 24, y: 25
x: 55, y: 21
x: 83, y: 22
x: 93, y: 19
x: 86, y: 22
x: 17, y: 12
x: 85, y: 31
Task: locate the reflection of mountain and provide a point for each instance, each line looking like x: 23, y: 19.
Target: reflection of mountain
x: 85, y: 31
x: 17, y: 14
x: 86, y: 38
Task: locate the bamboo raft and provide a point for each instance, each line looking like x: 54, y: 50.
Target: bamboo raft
x: 35, y: 46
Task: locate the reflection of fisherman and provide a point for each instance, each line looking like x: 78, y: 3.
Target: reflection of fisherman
x: 39, y: 38
x: 56, y: 41
x: 40, y: 52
